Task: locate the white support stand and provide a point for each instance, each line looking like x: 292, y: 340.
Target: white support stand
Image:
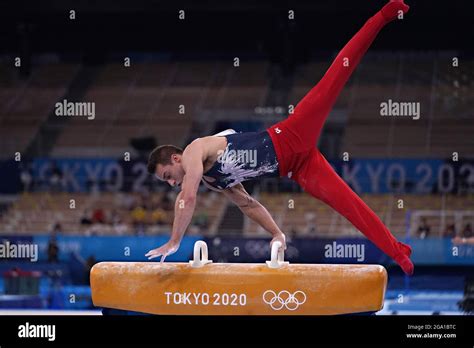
x: 200, y: 249
x: 277, y: 256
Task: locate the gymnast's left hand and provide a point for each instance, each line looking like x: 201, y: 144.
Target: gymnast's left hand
x: 280, y: 237
x: 166, y: 249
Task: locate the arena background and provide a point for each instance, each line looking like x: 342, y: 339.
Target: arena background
x: 77, y: 186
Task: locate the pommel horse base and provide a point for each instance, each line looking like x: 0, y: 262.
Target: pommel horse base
x: 201, y: 287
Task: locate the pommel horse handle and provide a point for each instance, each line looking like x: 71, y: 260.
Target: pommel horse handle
x: 200, y: 248
x: 201, y: 255
x: 277, y: 259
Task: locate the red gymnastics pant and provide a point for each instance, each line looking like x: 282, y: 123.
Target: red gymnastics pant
x: 295, y: 141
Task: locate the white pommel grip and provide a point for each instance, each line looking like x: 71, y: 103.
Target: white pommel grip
x: 200, y: 255
x: 277, y: 256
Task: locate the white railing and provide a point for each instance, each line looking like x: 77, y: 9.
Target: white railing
x: 458, y: 215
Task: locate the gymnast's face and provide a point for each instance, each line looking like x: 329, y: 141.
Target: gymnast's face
x: 172, y: 173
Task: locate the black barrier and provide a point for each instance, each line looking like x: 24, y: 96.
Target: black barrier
x: 135, y: 330
x: 301, y: 250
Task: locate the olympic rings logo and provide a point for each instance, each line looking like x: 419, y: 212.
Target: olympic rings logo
x: 284, y: 299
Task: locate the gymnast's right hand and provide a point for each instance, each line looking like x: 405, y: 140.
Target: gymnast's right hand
x: 166, y: 249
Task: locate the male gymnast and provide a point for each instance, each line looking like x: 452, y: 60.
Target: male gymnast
x: 287, y: 148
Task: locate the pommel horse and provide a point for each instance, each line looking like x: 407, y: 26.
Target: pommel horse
x: 202, y: 287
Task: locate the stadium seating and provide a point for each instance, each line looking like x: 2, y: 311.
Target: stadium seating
x: 26, y: 103
x: 291, y: 213
x: 37, y: 213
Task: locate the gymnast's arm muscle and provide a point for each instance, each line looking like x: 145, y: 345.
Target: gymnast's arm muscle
x: 252, y: 208
x: 186, y: 199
